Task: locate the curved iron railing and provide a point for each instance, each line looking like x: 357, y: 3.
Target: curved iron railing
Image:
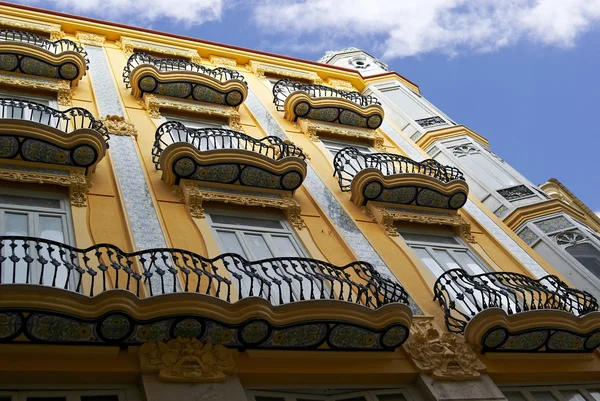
x: 285, y: 87
x: 57, y: 47
x: 171, y: 64
x: 67, y: 121
x: 348, y: 162
x: 463, y: 296
x: 218, y: 138
x: 281, y: 280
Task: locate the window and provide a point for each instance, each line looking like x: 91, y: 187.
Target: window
x: 20, y: 113
x: 553, y: 393
x: 335, y: 146
x: 52, y: 395
x: 207, y: 143
x: 332, y: 395
x: 441, y: 253
x: 257, y: 238
x: 42, y: 215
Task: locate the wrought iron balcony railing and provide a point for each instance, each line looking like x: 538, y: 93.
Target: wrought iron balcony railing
x: 164, y: 65
x: 348, y: 162
x: 205, y: 139
x: 56, y: 47
x: 159, y: 271
x: 430, y: 121
x: 66, y: 121
x: 285, y: 87
x: 463, y: 296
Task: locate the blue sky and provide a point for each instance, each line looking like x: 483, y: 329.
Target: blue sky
x: 522, y: 73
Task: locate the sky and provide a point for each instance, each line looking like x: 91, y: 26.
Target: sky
x: 521, y: 73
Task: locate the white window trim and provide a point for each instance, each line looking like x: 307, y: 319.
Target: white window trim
x: 193, y: 120
x: 52, y: 101
x: 369, y: 395
x: 525, y: 391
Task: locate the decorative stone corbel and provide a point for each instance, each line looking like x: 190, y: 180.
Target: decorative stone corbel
x: 196, y: 195
x: 188, y: 360
x: 119, y: 126
x: 154, y: 104
x: 61, y: 87
x: 87, y: 38
x: 444, y: 355
x: 388, y: 216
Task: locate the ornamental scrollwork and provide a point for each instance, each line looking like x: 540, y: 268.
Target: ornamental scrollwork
x: 154, y: 104
x: 569, y: 238
x: 187, y: 360
x: 54, y: 31
x: 92, y: 39
x: 61, y: 87
x: 260, y: 70
x: 220, y: 61
x: 446, y: 356
x: 340, y: 84
x: 119, y: 126
x: 130, y: 46
x: 195, y: 197
x: 465, y: 150
x: 312, y: 129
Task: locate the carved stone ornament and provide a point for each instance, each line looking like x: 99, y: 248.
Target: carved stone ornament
x: 61, y: 87
x: 220, y: 61
x: 53, y: 30
x: 387, y: 217
x: 340, y: 84
x: 444, y: 355
x: 87, y: 38
x: 75, y: 180
x: 187, y: 360
x: 129, y: 46
x: 119, y: 126
x: 196, y: 196
x: 260, y: 69
x: 154, y: 104
x: 312, y: 129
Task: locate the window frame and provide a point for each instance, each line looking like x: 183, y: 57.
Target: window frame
x: 166, y: 117
x: 327, y: 142
x: 526, y: 391
x: 368, y: 395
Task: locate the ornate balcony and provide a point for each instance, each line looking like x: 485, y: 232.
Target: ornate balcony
x: 33, y: 132
x: 183, y: 79
x: 226, y: 299
x: 33, y: 55
x: 226, y: 156
x: 395, y: 179
x: 318, y: 102
x: 510, y: 312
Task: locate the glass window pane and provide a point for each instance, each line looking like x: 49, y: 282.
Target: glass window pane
x: 263, y: 398
x: 468, y: 263
x: 231, y: 243
x: 352, y: 399
x: 587, y: 255
x: 258, y: 246
x: 99, y: 398
x: 284, y: 246
x: 51, y: 227
x: 431, y: 239
x: 595, y: 393
x: 391, y: 397
x: 445, y: 259
x: 245, y: 221
x: 433, y: 266
x: 30, y: 201
x: 543, y: 396
x: 515, y: 396
x: 16, y: 224
x: 572, y: 395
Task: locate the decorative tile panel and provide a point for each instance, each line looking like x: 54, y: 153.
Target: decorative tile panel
x: 474, y: 210
x: 142, y: 216
x: 555, y: 224
x: 329, y: 204
x: 528, y: 236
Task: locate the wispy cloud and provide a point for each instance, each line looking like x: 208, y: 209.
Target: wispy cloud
x: 188, y: 12
x: 412, y: 27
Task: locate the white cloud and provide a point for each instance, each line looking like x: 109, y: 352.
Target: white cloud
x: 400, y: 28
x: 188, y: 12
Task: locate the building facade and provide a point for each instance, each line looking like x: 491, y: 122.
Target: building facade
x: 186, y: 220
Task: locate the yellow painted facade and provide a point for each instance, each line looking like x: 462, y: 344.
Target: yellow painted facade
x: 76, y: 351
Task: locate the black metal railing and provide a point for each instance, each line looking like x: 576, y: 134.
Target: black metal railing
x: 348, y: 162
x: 430, y: 121
x: 463, y: 296
x: 103, y: 267
x: 205, y: 139
x: 169, y: 64
x: 67, y: 121
x: 56, y: 47
x: 285, y: 87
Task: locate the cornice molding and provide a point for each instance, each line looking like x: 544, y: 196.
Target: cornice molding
x: 522, y: 214
x: 54, y: 30
x: 63, y: 89
x: 312, y: 129
x: 430, y: 137
x: 260, y: 69
x: 130, y: 46
x: 92, y: 39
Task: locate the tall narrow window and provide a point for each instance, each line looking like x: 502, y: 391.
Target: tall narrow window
x: 38, y: 215
x: 334, y: 146
x: 257, y: 238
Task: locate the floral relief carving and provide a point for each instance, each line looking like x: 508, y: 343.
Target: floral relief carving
x: 154, y: 104
x: 187, y: 360
x: 220, y: 61
x: 119, y: 126
x: 61, y: 87
x: 54, y: 30
x: 87, y: 38
x: 312, y: 129
x: 195, y: 197
x: 340, y: 84
x: 129, y: 46
x: 260, y: 70
x: 444, y: 355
